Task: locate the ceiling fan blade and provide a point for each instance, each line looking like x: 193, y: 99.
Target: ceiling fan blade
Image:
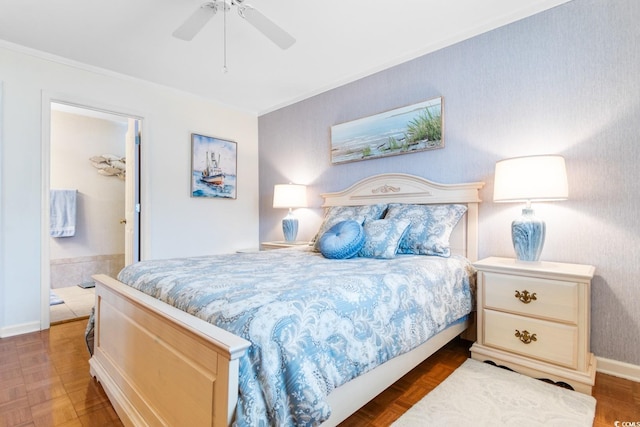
x: 196, y: 21
x: 267, y: 27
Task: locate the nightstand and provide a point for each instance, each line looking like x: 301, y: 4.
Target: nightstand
x: 534, y: 318
x: 266, y: 246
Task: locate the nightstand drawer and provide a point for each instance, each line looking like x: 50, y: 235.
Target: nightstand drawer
x: 554, y: 342
x: 532, y: 296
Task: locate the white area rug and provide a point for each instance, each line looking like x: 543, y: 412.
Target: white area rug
x: 478, y: 394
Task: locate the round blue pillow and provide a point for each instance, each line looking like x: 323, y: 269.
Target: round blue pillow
x: 343, y: 240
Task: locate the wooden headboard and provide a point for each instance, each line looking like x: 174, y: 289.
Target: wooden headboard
x: 404, y: 188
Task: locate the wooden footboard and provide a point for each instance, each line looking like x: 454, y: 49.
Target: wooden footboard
x: 159, y: 365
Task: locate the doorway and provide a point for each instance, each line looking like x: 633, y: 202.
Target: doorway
x: 92, y: 158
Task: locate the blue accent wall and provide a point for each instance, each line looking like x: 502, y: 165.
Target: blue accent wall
x: 565, y: 82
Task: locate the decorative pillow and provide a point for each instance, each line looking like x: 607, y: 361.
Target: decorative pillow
x: 382, y: 237
x: 335, y: 214
x: 342, y: 241
x: 430, y: 229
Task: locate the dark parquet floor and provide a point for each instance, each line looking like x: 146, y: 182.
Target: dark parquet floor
x: 44, y: 381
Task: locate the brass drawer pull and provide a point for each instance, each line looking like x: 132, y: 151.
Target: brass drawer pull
x: 525, y: 337
x: 525, y: 297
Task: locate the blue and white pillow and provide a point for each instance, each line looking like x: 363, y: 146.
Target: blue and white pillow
x: 343, y: 240
x: 430, y: 229
x: 382, y: 237
x: 336, y: 214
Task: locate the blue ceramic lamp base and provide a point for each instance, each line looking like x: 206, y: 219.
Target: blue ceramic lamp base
x: 528, y: 233
x: 290, y: 227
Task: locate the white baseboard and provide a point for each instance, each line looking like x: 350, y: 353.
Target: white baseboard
x: 24, y: 328
x: 618, y: 369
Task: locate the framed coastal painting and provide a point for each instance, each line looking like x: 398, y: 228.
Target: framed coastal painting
x: 213, y: 167
x: 409, y: 129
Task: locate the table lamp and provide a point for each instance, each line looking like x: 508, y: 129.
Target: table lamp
x: 530, y: 179
x: 289, y: 196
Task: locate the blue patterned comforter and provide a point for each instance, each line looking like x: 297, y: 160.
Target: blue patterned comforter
x: 314, y: 323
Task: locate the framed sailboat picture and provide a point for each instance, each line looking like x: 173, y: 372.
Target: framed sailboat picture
x: 213, y: 167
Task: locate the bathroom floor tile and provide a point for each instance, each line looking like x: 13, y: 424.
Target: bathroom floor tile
x: 77, y: 303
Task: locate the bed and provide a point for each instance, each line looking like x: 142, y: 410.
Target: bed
x: 160, y: 365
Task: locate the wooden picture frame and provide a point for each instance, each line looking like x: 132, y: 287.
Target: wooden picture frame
x: 213, y: 167
x: 410, y: 129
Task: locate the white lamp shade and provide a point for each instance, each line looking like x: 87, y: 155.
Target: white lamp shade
x: 532, y: 178
x: 289, y: 196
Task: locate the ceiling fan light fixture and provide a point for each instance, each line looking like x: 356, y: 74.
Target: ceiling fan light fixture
x: 192, y: 26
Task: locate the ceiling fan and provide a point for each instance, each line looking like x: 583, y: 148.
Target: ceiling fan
x: 205, y: 12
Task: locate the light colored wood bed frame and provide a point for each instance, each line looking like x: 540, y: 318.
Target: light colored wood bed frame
x: 162, y: 366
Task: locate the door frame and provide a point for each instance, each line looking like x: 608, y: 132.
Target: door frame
x: 45, y: 251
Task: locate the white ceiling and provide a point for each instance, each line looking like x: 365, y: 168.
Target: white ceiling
x: 338, y: 41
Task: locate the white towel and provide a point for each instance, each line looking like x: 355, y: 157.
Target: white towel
x: 63, y: 213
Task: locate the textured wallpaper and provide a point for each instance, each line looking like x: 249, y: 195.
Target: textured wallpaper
x: 564, y: 82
